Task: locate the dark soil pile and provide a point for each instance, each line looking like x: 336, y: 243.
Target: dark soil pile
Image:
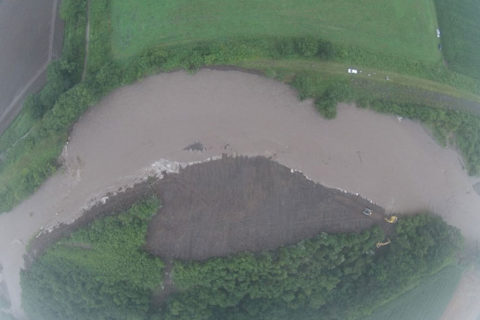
x: 248, y: 204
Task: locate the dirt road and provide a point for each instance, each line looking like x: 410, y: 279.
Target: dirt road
x: 394, y: 163
x: 30, y: 36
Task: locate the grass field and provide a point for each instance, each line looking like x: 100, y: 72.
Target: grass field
x: 331, y: 71
x: 459, y: 22
x: 426, y: 302
x: 398, y: 27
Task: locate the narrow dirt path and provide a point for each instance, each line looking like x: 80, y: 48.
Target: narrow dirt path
x: 53, y: 23
x: 167, y: 287
x: 87, y: 40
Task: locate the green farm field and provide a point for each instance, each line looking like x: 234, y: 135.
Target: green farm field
x: 398, y: 28
x: 426, y: 302
x: 459, y: 23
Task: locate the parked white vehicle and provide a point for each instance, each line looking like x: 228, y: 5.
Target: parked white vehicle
x: 354, y: 71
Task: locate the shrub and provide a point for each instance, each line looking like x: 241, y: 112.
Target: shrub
x: 307, y: 47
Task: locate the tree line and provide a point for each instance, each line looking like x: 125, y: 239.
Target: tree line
x: 102, y: 272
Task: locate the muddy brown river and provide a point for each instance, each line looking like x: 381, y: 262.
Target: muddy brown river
x: 393, y: 162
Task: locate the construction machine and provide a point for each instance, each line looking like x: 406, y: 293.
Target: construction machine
x: 381, y: 244
x: 367, y: 211
x: 391, y: 219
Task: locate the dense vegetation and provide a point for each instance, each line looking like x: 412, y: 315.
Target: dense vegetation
x: 459, y: 23
x: 100, y: 272
x: 428, y: 301
x: 328, y: 277
x: 29, y: 149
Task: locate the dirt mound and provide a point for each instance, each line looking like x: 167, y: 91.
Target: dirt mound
x: 248, y: 204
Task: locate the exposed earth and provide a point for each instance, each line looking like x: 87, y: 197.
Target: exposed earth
x: 23, y: 64
x: 394, y: 163
x: 248, y: 204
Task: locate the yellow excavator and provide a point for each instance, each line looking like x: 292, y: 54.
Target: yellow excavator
x: 391, y: 219
x: 381, y: 244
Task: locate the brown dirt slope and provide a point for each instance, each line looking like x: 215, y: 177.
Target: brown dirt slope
x: 248, y: 204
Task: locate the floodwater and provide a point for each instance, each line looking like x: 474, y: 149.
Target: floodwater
x: 464, y: 304
x: 394, y: 163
